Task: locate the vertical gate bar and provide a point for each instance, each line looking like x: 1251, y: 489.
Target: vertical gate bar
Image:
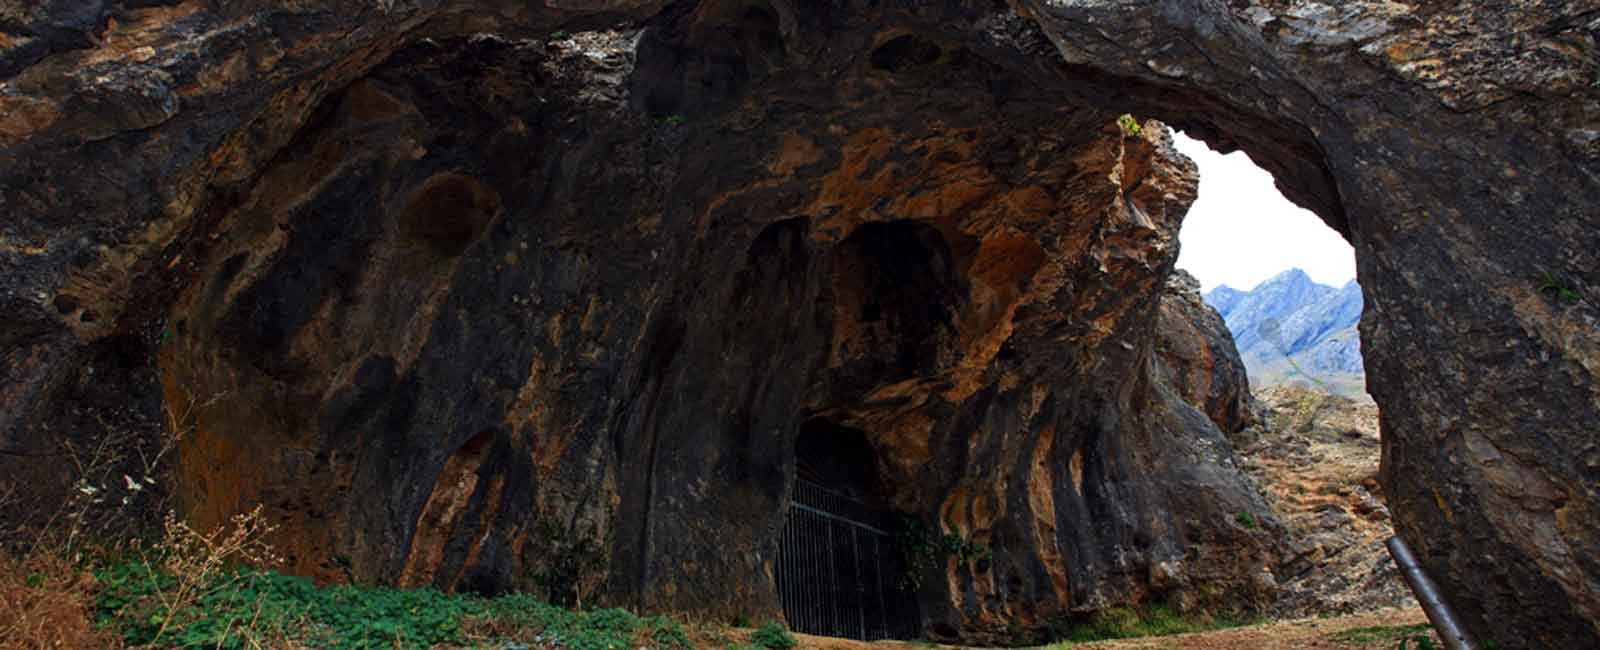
x: 786, y: 556
x: 780, y: 576
x: 785, y: 553
x: 824, y: 575
x: 812, y: 620
x: 778, y: 580
x: 794, y: 575
x: 794, y: 570
x: 883, y: 608
x: 799, y: 571
x: 820, y: 569
x: 805, y: 571
x: 810, y: 575
x: 861, y: 596
x: 816, y: 577
x: 832, y: 581
x: 801, y: 562
x: 841, y: 565
x: 821, y: 614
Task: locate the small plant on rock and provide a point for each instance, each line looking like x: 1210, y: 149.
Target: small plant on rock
x: 1245, y: 519
x: 1551, y: 285
x: 1130, y: 126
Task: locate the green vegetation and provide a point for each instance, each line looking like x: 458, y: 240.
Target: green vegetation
x: 1551, y: 285
x: 772, y: 636
x: 1402, y: 637
x: 963, y: 548
x: 1126, y: 623
x: 923, y: 550
x: 1130, y: 126
x: 248, y: 608
x: 1245, y: 519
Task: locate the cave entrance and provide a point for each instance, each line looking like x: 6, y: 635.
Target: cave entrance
x: 839, y: 571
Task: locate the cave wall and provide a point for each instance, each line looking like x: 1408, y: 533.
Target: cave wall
x: 1453, y: 143
x: 468, y: 338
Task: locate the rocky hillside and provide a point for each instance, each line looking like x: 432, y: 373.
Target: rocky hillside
x: 1315, y: 456
x: 1291, y: 328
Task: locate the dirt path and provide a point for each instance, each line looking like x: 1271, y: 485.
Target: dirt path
x: 1289, y: 635
x: 1359, y: 632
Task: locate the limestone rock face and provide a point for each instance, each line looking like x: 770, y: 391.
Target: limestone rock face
x: 463, y: 305
x: 1198, y: 358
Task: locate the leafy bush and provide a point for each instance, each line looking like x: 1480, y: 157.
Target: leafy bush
x: 246, y: 608
x: 772, y: 636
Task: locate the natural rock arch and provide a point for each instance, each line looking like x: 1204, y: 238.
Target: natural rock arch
x: 1461, y: 167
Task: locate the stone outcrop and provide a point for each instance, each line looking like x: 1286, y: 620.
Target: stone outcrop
x: 311, y: 218
x: 1198, y: 358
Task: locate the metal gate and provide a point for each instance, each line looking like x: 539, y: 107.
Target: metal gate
x: 839, y: 572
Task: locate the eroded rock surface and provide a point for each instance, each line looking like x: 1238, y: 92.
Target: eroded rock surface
x: 1198, y: 357
x: 311, y: 217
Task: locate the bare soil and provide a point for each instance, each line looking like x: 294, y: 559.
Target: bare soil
x: 1288, y: 635
x: 1380, y: 630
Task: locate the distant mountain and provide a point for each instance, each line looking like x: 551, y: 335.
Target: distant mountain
x: 1291, y: 328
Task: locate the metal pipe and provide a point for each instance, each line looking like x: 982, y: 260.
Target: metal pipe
x: 1444, y: 621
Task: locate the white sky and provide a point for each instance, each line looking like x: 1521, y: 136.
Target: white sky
x: 1241, y: 231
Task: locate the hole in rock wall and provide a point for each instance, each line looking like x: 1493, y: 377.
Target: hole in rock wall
x: 759, y: 31
x: 906, y: 52
x: 447, y: 213
x: 1283, y: 281
x: 900, y: 276
x: 734, y: 41
x: 840, y: 571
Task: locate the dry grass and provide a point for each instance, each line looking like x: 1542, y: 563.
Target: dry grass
x: 47, y: 597
x: 194, y: 558
x: 45, y: 602
x: 46, y: 588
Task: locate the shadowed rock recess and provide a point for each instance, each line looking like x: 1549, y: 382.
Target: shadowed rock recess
x: 537, y: 295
